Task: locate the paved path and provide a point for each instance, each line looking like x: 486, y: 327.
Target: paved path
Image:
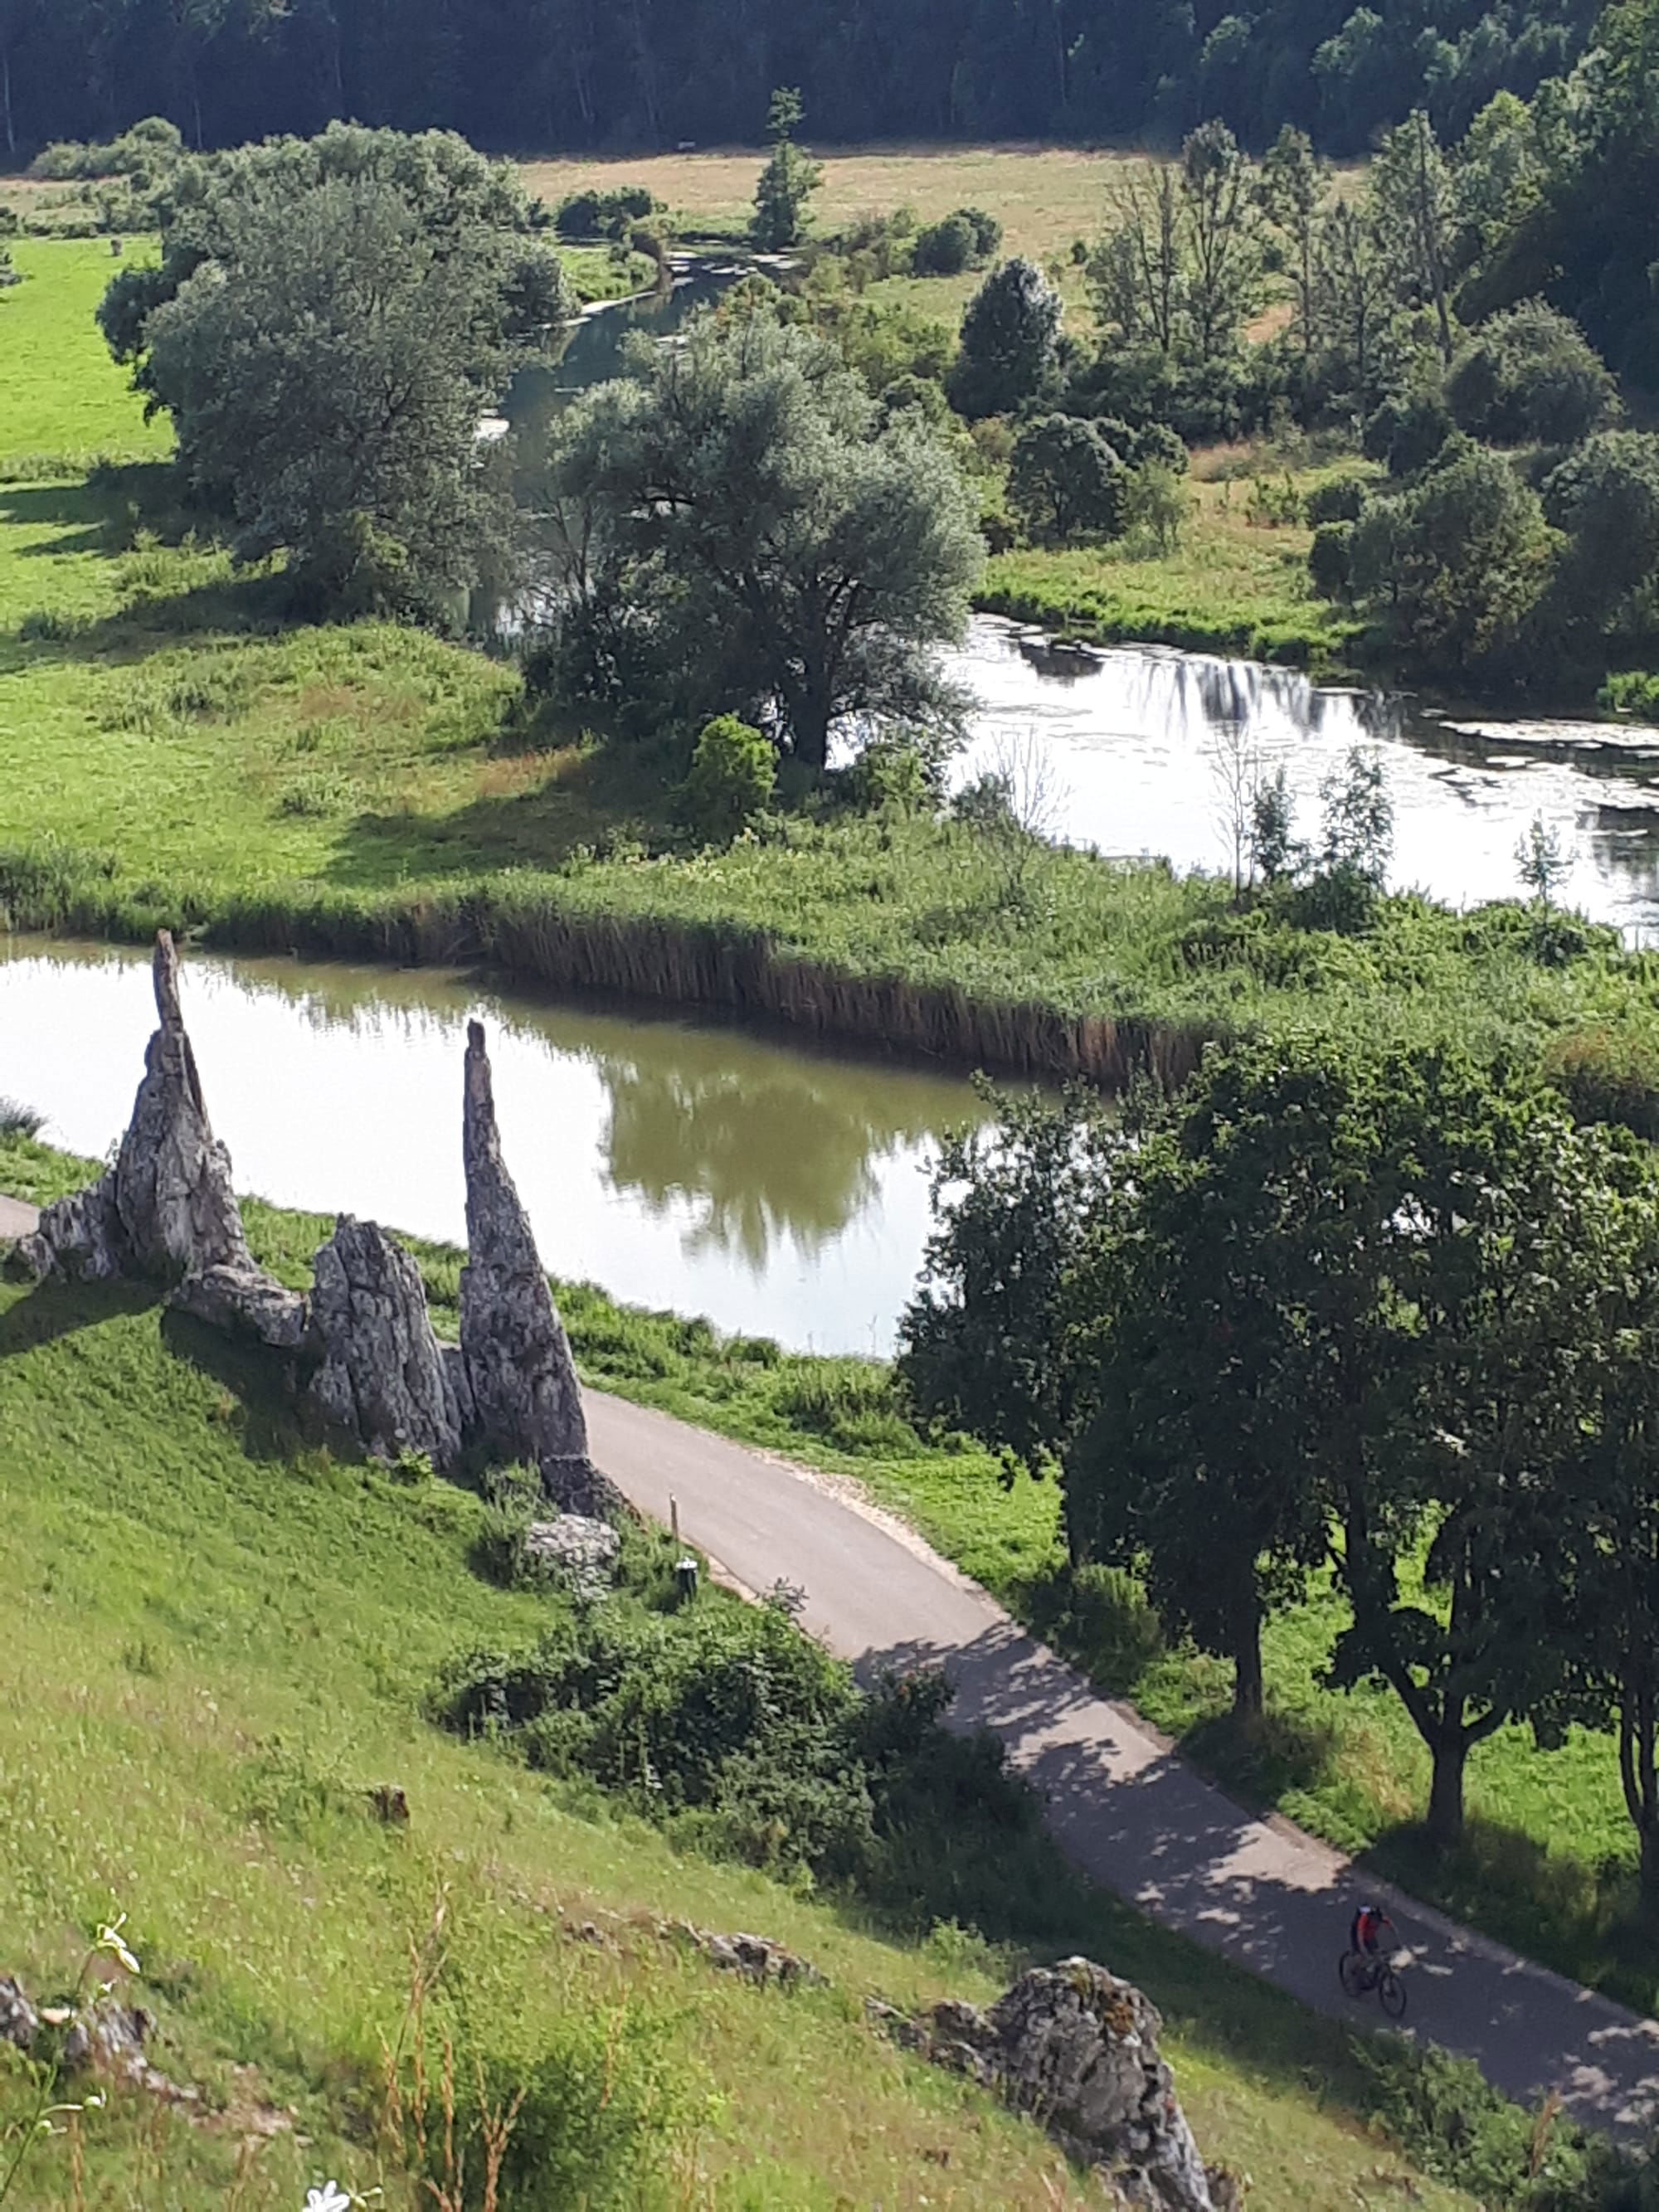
x: 16, y: 1219
x: 1129, y: 1811
x: 1126, y: 1807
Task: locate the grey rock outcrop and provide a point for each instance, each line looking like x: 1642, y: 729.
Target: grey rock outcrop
x: 246, y: 1298
x: 1078, y: 2048
x: 380, y: 1378
x: 579, y: 1552
x: 525, y: 1401
x: 167, y: 1208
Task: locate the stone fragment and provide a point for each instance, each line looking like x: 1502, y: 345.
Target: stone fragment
x: 78, y: 1238
x: 381, y: 1379
x: 1078, y: 2049
x: 525, y: 1401
x: 758, y: 1959
x: 246, y: 1299
x: 578, y: 1552
x: 20, y: 2023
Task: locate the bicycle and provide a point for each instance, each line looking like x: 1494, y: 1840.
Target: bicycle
x: 1359, y: 1975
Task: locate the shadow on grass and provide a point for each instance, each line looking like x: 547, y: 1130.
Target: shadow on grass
x: 255, y: 1378
x: 548, y: 806
x: 83, y: 514
x: 53, y: 1310
x: 1589, y: 1922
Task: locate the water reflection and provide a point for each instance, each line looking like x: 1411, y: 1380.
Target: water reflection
x: 1135, y: 733
x: 699, y: 1167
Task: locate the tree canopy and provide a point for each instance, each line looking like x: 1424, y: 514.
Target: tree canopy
x: 545, y: 73
x: 737, y: 522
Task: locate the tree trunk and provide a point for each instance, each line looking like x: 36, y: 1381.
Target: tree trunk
x: 1249, y: 1702
x: 1450, y: 1750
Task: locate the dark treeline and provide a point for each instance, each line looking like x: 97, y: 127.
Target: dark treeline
x: 631, y: 74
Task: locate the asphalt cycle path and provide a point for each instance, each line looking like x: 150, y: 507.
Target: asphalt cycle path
x: 1124, y: 1806
x: 1120, y: 1801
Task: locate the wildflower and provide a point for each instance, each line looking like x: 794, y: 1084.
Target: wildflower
x: 331, y: 2197
x: 111, y: 1939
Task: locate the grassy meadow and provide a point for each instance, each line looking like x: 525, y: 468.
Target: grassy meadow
x: 1236, y: 583
x: 219, y: 1641
x: 1549, y: 1865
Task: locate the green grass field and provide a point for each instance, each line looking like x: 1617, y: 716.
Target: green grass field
x: 216, y: 1642
x: 1235, y: 584
x: 60, y: 393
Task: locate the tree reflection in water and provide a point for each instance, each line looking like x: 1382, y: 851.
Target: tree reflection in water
x: 760, y: 1152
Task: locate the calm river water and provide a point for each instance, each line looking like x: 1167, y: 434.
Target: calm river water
x: 1131, y: 740
x: 698, y: 1168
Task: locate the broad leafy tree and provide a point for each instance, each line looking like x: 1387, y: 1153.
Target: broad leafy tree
x: 323, y: 372
x: 1066, y: 481
x: 737, y: 523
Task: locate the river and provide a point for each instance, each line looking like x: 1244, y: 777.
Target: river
x: 679, y: 1164
x: 1131, y: 736
x: 697, y: 1167
x: 1130, y: 739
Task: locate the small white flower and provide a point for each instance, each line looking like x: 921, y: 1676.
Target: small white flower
x: 331, y: 2197
x: 111, y: 1939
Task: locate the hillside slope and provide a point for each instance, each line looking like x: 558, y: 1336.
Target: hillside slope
x: 216, y: 1643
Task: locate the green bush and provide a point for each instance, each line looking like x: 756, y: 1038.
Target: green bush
x: 733, y: 772
x: 852, y: 1403
x: 593, y: 214
x: 944, y: 248
x: 1630, y: 691
x: 1449, y: 2120
x: 1339, y: 499
x: 965, y: 238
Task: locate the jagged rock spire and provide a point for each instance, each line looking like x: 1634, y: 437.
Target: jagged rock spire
x: 526, y: 1403
x: 381, y: 1379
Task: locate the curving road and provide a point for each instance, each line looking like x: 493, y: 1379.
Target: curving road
x: 1123, y: 1805
x: 1126, y: 1807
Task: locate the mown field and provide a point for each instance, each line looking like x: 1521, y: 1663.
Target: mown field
x: 218, y: 1642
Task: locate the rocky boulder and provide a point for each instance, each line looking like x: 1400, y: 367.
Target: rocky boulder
x: 381, y: 1379
x: 1076, y: 2047
x: 578, y: 1553
x: 526, y: 1404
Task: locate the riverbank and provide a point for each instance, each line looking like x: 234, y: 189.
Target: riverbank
x: 1549, y: 1865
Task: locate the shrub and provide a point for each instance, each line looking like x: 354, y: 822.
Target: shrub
x: 1531, y: 375
x: 1330, y: 560
x: 721, y: 1718
x: 1066, y: 483
x: 966, y: 239
x: 17, y: 1119
x: 944, y: 248
x: 900, y: 769
x: 594, y: 214
x: 1156, y: 444
x: 1339, y: 499
x: 1630, y: 691
x: 732, y: 775
x: 1407, y: 431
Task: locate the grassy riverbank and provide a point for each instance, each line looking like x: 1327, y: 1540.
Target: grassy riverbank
x: 1550, y: 1863
x: 217, y: 1641
x: 169, y: 752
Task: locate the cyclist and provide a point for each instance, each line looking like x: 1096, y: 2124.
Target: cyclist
x: 1365, y: 1933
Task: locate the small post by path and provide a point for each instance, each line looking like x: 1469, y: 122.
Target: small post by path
x: 674, y: 1516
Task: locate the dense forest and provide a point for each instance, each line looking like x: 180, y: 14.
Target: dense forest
x: 553, y: 73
